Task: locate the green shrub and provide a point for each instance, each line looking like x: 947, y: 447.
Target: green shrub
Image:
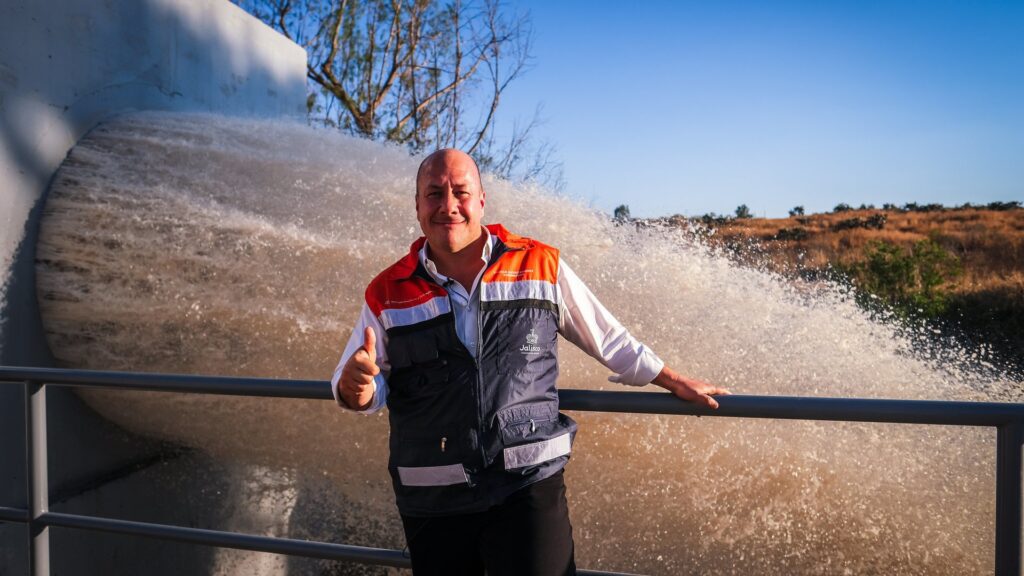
x: 791, y: 234
x: 1012, y: 205
x: 873, y: 222
x: 909, y: 280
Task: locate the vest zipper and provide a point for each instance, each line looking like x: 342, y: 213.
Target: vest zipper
x: 476, y: 368
x: 479, y: 375
x: 496, y: 253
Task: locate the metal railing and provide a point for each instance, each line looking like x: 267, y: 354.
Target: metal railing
x: 1008, y: 419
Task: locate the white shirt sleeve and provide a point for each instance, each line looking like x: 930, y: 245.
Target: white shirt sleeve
x: 585, y: 322
x: 380, y: 392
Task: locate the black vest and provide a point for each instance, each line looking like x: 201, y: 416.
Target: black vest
x: 468, y: 432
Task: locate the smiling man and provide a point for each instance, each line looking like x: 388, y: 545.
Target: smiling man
x: 459, y: 340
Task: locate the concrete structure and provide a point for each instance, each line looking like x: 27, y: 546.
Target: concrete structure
x: 68, y: 64
x: 65, y: 66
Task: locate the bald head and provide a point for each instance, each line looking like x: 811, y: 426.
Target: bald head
x: 449, y: 202
x: 447, y: 158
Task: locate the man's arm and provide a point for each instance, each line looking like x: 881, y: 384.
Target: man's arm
x: 359, y: 381
x: 585, y: 322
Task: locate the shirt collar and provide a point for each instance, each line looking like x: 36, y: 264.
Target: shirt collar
x: 431, y: 269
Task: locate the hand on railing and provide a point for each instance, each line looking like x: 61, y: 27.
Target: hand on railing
x: 688, y: 389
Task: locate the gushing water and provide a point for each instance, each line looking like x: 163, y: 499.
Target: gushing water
x: 206, y: 245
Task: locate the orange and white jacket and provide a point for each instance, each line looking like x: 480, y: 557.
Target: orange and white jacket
x: 582, y: 320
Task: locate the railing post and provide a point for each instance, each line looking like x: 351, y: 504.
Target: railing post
x: 37, y: 481
x: 1009, y: 439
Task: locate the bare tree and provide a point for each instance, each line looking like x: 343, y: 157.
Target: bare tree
x: 422, y: 73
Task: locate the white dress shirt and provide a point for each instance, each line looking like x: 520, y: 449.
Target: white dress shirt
x: 582, y: 320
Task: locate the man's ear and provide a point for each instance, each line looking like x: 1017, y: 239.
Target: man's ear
x: 483, y: 197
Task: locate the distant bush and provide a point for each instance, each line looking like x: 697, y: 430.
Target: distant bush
x: 936, y: 207
x: 999, y: 206
x: 910, y: 280
x: 873, y: 222
x: 915, y: 207
x: 1012, y: 205
x: 848, y: 224
x: 743, y: 212
x: 791, y: 234
x: 842, y: 207
x: 712, y: 219
x: 796, y: 211
x: 621, y: 213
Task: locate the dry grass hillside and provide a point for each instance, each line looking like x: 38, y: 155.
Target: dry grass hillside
x: 985, y: 299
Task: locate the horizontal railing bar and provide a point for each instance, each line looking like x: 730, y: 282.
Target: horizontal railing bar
x: 775, y: 407
x: 380, y: 556
x: 13, y: 514
x: 188, y: 383
x: 943, y: 412
x: 956, y: 413
x: 288, y: 546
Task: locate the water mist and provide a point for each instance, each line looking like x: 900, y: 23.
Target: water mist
x: 207, y: 245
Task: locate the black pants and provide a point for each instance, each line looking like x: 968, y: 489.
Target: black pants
x: 527, y: 534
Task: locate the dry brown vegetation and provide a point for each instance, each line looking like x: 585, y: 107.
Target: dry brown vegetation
x: 987, y: 298
x: 989, y: 243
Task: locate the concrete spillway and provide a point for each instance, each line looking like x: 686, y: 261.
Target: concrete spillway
x: 65, y: 66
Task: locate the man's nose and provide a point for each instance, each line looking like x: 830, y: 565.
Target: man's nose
x: 450, y: 202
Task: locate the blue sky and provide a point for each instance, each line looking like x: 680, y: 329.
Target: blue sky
x: 695, y: 107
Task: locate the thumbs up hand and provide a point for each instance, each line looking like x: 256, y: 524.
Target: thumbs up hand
x: 356, y: 383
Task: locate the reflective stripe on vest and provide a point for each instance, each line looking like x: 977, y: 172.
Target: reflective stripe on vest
x: 392, y: 317
x: 433, y: 475
x: 519, y: 290
x: 530, y: 454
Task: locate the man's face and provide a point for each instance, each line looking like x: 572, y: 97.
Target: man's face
x: 449, y: 201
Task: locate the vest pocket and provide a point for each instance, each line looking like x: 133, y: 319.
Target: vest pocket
x: 427, y: 471
x: 527, y: 343
x: 531, y: 435
x: 424, y: 458
x: 420, y: 379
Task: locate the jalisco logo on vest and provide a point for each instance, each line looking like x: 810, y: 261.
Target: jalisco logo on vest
x: 531, y: 343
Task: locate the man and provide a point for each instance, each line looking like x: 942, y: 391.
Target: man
x: 458, y: 338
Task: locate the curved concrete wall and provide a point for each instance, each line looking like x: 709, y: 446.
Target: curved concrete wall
x: 65, y: 66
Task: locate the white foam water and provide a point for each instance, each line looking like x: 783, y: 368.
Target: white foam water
x: 207, y: 245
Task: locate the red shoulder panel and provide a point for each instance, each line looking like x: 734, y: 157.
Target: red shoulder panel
x: 396, y: 287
